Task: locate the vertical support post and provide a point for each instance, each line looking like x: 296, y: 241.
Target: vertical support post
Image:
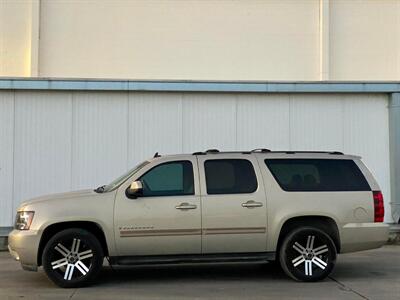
x: 394, y: 140
x: 324, y: 40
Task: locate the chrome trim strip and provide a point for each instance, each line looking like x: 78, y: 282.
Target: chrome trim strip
x: 236, y: 230
x: 177, y: 232
x: 167, y: 232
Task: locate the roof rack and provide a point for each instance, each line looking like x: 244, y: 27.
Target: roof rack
x: 264, y: 150
x: 294, y: 152
x: 216, y: 151
x: 212, y: 151
x: 198, y: 153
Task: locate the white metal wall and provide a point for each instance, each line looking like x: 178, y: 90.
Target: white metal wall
x: 59, y: 141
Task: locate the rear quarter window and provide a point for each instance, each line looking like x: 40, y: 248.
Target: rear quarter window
x: 319, y: 175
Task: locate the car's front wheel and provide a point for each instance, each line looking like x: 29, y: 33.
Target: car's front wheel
x: 307, y: 254
x: 72, y: 258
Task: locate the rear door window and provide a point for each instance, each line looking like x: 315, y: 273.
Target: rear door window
x: 317, y: 175
x: 230, y: 176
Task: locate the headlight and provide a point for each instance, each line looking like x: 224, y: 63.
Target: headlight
x: 23, y: 220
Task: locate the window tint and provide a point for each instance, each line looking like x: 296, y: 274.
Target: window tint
x: 230, y: 176
x: 169, y: 179
x: 317, y: 175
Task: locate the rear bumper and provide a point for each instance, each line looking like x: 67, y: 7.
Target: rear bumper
x: 363, y: 236
x: 23, y: 246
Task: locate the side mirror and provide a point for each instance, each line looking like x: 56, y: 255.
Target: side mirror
x: 135, y: 190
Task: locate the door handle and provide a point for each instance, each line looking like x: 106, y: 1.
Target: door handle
x: 251, y: 204
x: 185, y: 206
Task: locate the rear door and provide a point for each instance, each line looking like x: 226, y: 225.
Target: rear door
x: 234, y: 212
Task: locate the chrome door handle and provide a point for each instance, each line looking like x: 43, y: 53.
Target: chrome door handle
x: 251, y: 204
x: 186, y: 206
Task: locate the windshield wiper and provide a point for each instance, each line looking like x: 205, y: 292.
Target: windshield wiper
x: 100, y: 189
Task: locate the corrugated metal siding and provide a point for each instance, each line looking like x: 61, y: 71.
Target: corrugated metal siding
x: 263, y: 122
x: 155, y: 124
x: 209, y: 121
x: 366, y: 132
x: 316, y: 124
x: 71, y: 140
x: 99, y: 137
x: 42, y: 153
x: 6, y: 157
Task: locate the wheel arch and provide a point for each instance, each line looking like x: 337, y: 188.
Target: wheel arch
x: 52, y: 229
x: 325, y: 223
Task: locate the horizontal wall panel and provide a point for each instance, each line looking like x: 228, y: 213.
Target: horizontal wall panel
x: 263, y: 121
x: 238, y: 40
x: 316, y: 122
x: 6, y: 157
x: 364, y: 40
x: 209, y: 121
x: 155, y: 125
x: 42, y: 154
x: 99, y: 138
x: 65, y: 140
x: 367, y: 134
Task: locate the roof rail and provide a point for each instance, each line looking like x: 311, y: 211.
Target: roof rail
x: 294, y: 152
x: 212, y: 151
x: 198, y: 153
x: 262, y: 150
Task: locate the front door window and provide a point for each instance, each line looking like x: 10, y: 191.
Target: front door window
x: 169, y: 179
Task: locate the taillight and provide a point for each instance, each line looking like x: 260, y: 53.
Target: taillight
x: 379, y: 209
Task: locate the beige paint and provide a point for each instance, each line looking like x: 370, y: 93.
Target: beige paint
x: 201, y: 40
x: 154, y: 225
x: 174, y: 231
x: 15, y: 36
x: 324, y: 46
x: 365, y: 40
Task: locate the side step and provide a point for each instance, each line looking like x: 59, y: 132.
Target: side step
x: 189, y: 259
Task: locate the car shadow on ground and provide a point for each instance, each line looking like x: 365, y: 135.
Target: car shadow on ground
x: 214, y: 273
x: 199, y: 273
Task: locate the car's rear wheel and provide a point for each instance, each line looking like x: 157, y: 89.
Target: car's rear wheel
x: 307, y: 254
x: 72, y: 258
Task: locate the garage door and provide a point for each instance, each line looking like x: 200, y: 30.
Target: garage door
x: 60, y: 141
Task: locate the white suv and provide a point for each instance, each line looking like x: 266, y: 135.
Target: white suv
x: 300, y: 208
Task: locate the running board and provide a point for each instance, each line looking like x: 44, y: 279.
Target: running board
x: 190, y: 258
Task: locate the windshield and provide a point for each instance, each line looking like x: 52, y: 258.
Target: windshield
x: 117, y: 182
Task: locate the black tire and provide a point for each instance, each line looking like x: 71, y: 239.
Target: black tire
x: 78, y: 260
x: 313, y: 260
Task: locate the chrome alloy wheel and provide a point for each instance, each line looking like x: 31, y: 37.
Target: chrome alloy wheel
x: 72, y: 258
x: 307, y: 254
x: 75, y: 261
x: 311, y: 256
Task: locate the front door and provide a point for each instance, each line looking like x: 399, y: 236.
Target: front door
x: 234, y: 213
x: 166, y: 219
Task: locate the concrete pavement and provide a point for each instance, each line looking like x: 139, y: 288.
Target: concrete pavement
x: 365, y: 275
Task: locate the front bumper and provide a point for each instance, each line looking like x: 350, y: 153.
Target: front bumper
x: 23, y: 245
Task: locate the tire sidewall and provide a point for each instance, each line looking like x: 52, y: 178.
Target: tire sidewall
x: 97, y: 262
x: 288, y: 242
